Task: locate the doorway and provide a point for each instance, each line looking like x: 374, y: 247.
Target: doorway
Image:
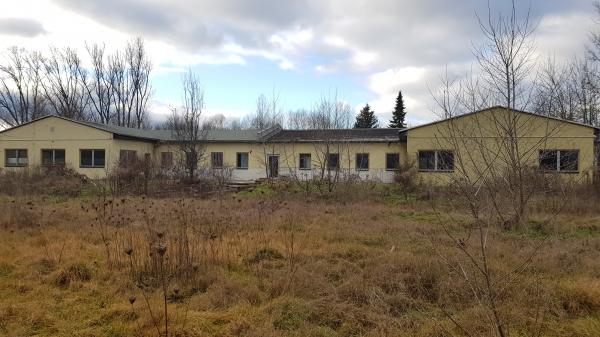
x: 273, y: 166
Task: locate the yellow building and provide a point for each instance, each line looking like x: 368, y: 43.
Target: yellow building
x: 472, y: 142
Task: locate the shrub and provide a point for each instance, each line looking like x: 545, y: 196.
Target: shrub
x: 75, y: 272
x: 266, y: 254
x: 54, y: 181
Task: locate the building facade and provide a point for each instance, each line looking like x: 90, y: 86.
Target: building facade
x: 467, y: 144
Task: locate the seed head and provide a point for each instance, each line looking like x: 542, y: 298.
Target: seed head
x: 161, y: 250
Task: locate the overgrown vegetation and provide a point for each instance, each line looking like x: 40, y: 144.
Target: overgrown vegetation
x: 367, y: 260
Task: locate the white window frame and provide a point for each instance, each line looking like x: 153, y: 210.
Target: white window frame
x: 356, y: 161
x: 238, y: 162
x: 386, y: 161
x: 309, y: 166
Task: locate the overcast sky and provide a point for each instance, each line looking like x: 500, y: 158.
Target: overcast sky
x: 365, y: 50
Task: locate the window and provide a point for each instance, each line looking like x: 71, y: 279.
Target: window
x: 216, y: 159
x: 392, y: 161
x: 559, y: 160
x: 441, y: 160
x: 427, y: 160
x: 53, y: 157
x: 15, y: 158
x: 305, y: 161
x: 91, y: 158
x: 166, y: 159
x: 333, y: 161
x: 445, y: 161
x: 127, y: 157
x: 191, y: 159
x: 362, y: 161
x: 241, y: 160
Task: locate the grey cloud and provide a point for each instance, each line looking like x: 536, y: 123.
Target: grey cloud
x: 428, y: 34
x: 195, y: 25
x: 21, y: 27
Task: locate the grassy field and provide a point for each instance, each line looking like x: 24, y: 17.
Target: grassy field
x: 268, y: 263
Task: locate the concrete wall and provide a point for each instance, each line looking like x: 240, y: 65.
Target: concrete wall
x: 57, y: 133
x: 475, y: 139
x: 478, y: 141
x: 289, y: 153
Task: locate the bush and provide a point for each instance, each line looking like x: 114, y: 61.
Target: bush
x: 75, y: 272
x: 54, y: 181
x: 266, y: 254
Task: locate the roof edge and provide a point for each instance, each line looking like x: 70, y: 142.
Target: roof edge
x: 499, y: 107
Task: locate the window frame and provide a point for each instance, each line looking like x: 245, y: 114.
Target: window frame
x: 18, y: 157
x: 337, y: 161
x: 218, y: 155
x: 238, y: 160
x: 166, y: 154
x: 309, y: 167
x: 557, y: 167
x: 53, y: 163
x: 127, y: 157
x: 436, y: 160
x: 356, y: 162
x: 386, y: 161
x: 93, y: 151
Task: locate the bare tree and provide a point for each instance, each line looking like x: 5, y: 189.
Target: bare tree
x: 129, y: 74
x: 21, y: 99
x: 99, y: 88
x: 65, y: 83
x: 269, y: 112
x: 568, y: 91
x: 139, y: 79
x: 330, y: 118
x: 187, y: 125
x: 505, y: 58
x: 299, y: 119
x: 492, y: 155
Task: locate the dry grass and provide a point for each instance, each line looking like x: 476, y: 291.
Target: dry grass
x: 279, y: 264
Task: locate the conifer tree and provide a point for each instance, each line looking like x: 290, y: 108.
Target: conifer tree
x: 366, y: 119
x: 399, y: 115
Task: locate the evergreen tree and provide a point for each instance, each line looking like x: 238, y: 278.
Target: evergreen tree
x: 366, y: 119
x: 399, y: 113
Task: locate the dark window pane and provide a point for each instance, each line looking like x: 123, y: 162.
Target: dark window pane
x: 445, y: 161
x: 216, y: 159
x: 16, y: 157
x: 362, y: 161
x: 59, y: 157
x: 166, y: 159
x: 392, y: 161
x: 333, y: 161
x: 548, y: 160
x: 47, y: 158
x: 569, y: 160
x: 242, y: 160
x: 98, y: 158
x: 127, y: 157
x: 305, y: 161
x: 427, y: 160
x: 191, y: 159
x: 86, y: 158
